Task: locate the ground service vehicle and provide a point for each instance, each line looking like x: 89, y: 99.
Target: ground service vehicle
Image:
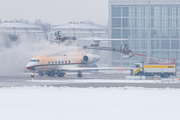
x: 163, y: 70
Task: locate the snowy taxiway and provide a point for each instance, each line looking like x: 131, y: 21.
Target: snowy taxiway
x: 95, y: 80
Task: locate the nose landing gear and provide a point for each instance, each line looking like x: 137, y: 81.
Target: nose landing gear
x: 32, y: 75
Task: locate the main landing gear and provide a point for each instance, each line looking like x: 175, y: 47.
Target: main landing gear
x: 61, y: 74
x: 80, y: 74
x: 58, y: 73
x: 41, y: 73
x: 53, y: 73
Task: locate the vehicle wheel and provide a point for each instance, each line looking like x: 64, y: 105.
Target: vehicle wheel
x: 165, y: 75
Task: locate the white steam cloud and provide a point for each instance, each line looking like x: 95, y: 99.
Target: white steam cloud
x: 15, y: 52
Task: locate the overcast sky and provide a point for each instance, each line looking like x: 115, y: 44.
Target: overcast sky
x: 55, y: 11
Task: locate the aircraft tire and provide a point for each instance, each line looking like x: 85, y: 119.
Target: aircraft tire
x: 80, y: 74
x: 51, y: 73
x: 32, y: 76
x: 41, y: 73
x: 61, y: 74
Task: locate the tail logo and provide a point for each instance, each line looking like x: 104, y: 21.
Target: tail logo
x: 94, y: 44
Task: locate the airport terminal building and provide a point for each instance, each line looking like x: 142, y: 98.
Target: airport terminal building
x: 22, y: 29
x: 151, y: 27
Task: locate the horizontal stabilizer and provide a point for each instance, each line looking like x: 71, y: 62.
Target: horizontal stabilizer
x: 100, y: 39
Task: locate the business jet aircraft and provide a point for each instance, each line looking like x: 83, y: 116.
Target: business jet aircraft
x: 59, y: 65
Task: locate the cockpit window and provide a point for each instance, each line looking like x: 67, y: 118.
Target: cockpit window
x: 34, y: 60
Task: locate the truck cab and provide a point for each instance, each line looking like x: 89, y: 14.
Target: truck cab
x: 137, y: 65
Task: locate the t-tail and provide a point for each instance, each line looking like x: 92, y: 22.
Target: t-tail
x: 94, y: 44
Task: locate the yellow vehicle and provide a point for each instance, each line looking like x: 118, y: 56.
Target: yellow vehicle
x: 163, y: 70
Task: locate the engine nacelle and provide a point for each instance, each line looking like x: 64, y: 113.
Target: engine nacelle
x: 90, y: 58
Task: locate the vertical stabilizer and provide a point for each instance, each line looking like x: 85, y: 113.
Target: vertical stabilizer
x: 94, y: 44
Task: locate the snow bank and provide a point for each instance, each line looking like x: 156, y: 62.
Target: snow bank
x: 64, y: 103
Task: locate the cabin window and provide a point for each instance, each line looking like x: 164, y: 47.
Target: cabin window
x: 52, y: 62
x: 55, y: 62
x: 62, y: 61
x: 65, y: 61
x: 69, y: 61
x: 48, y: 62
x: 59, y: 62
x: 37, y: 60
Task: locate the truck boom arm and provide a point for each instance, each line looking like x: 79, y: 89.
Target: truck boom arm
x: 127, y: 52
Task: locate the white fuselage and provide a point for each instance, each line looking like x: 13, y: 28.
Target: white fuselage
x: 61, y: 62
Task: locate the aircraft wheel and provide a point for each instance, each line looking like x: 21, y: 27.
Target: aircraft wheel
x: 51, y: 73
x: 61, y: 74
x: 80, y: 74
x: 32, y: 75
x: 41, y: 73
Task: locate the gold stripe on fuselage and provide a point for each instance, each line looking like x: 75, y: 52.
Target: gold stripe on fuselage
x: 58, y: 62
x: 159, y: 66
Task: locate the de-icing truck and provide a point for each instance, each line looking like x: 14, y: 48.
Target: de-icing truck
x: 162, y: 69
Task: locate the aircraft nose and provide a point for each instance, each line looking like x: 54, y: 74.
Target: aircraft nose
x: 29, y: 67
x: 98, y: 57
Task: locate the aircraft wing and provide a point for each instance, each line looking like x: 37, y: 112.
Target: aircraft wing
x: 75, y: 69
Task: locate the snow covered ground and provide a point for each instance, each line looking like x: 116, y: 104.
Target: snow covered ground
x: 104, y: 81
x: 65, y: 103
